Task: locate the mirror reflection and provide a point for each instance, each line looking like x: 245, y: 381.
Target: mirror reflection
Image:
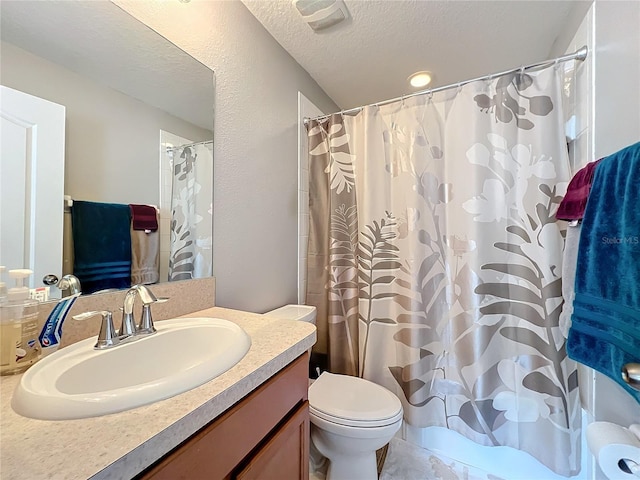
x: 108, y: 173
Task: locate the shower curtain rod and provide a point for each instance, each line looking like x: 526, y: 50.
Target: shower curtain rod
x: 580, y: 55
x: 204, y: 142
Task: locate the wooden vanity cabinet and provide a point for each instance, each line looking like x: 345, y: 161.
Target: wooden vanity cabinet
x: 265, y: 436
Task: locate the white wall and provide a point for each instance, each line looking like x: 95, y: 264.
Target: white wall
x: 255, y: 146
x: 581, y: 107
x: 608, y: 114
x: 616, y: 124
x: 112, y: 140
x: 617, y: 75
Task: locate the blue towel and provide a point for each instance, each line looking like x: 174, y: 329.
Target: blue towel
x: 101, y: 245
x: 605, y: 329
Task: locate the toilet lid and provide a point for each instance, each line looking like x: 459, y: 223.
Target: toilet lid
x: 302, y: 313
x: 353, y: 401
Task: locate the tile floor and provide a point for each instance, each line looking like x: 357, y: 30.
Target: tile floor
x: 406, y: 461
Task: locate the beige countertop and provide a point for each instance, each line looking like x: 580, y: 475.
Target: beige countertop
x: 123, y: 444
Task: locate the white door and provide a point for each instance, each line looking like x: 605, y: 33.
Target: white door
x: 32, y: 183
x: 306, y: 109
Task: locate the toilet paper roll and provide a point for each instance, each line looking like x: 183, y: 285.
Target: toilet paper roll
x: 617, y: 450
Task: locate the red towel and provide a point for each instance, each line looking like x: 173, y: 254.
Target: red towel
x: 144, y: 217
x: 575, y: 200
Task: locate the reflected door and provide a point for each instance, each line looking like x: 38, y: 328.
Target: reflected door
x: 32, y: 181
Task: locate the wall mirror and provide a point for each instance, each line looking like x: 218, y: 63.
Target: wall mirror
x: 138, y: 118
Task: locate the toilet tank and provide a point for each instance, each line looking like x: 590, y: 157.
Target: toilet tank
x: 301, y: 313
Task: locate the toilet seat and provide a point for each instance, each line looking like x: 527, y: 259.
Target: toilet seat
x: 353, y: 402
x: 347, y: 422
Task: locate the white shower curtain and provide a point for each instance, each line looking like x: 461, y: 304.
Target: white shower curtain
x: 435, y: 259
x: 191, y: 213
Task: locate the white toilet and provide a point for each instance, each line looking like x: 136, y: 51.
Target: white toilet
x: 351, y: 417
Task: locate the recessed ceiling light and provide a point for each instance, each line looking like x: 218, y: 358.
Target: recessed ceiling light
x: 420, y: 79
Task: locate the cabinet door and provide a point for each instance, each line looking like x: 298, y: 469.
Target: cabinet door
x: 215, y: 452
x: 285, y: 455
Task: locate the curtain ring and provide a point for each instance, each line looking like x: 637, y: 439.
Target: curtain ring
x: 489, y: 79
x: 459, y: 89
x: 520, y: 74
x: 430, y: 95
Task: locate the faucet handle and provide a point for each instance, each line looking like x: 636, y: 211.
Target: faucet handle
x: 108, y: 337
x: 146, y: 322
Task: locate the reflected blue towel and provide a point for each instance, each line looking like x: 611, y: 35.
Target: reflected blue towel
x: 605, y: 329
x: 101, y: 245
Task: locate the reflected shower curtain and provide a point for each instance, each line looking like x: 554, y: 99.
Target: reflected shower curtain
x: 191, y: 213
x: 435, y: 259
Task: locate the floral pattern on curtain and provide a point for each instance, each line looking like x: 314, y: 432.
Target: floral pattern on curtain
x: 454, y: 274
x: 191, y: 215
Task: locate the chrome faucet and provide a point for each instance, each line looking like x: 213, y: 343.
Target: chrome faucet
x: 67, y: 282
x: 109, y: 337
x: 145, y: 327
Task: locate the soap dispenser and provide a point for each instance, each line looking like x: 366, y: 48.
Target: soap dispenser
x: 19, y: 345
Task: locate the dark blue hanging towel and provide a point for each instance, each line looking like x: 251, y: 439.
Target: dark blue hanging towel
x: 605, y: 330
x: 101, y: 245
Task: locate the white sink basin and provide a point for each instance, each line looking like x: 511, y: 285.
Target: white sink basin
x: 80, y: 382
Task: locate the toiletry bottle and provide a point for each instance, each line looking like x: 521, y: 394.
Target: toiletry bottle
x: 19, y: 345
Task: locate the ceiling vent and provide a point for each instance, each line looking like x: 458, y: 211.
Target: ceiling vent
x: 321, y: 14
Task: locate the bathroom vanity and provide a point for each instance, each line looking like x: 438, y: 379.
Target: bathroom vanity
x: 250, y: 422
x: 266, y: 435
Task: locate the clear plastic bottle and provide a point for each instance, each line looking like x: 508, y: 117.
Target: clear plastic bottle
x: 19, y: 345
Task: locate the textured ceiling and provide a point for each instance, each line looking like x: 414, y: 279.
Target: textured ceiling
x: 369, y: 57
x: 99, y: 40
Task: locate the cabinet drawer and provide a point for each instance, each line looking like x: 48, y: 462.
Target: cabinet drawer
x: 284, y: 455
x: 215, y: 451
